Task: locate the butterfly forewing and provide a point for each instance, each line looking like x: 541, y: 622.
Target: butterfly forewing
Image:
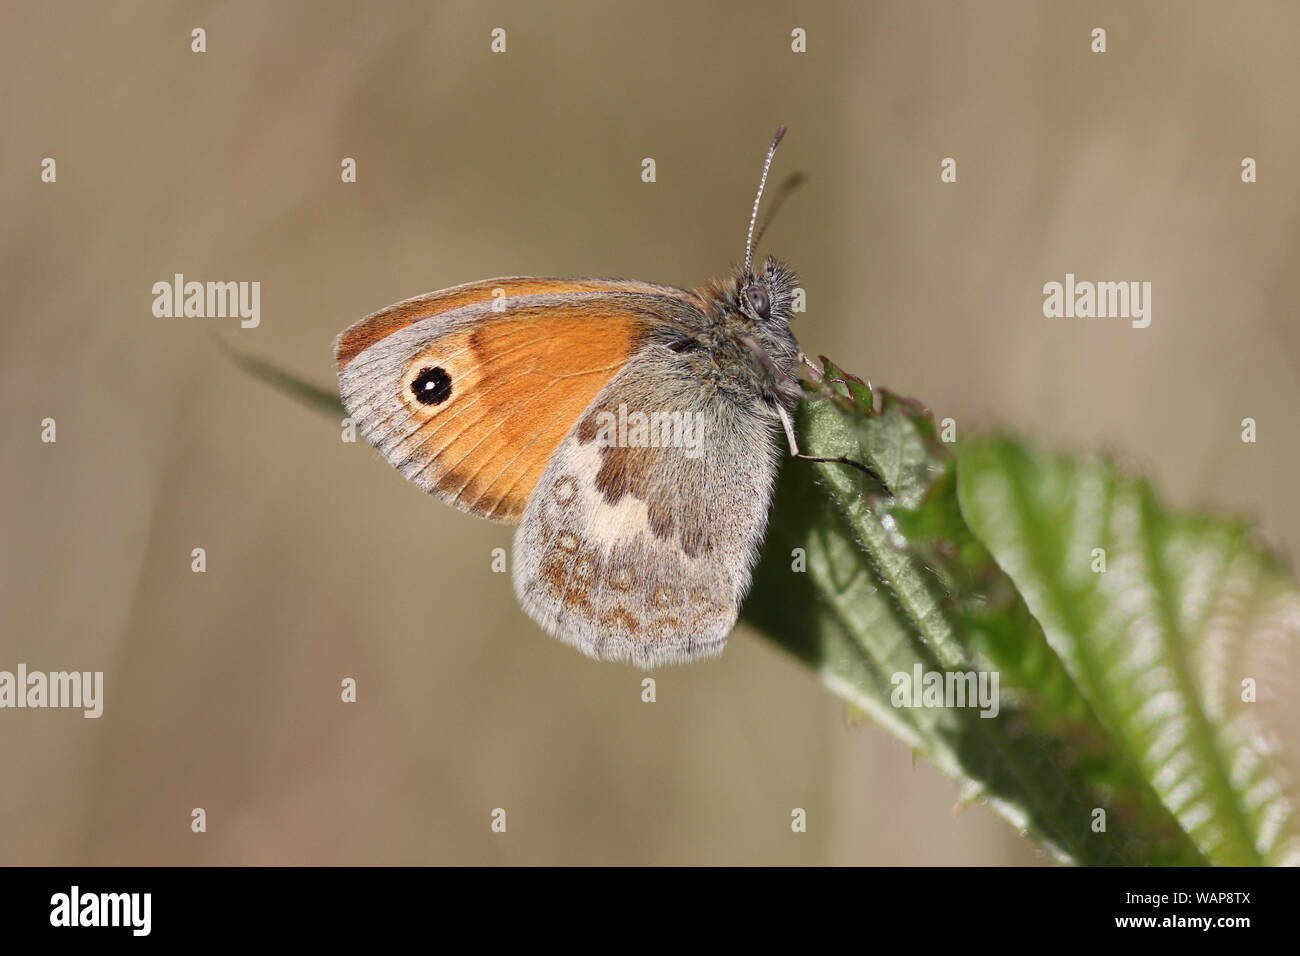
x: 469, y: 392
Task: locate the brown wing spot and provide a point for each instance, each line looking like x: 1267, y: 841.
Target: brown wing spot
x: 627, y: 471
x: 620, y: 618
x: 631, y: 471
x: 576, y: 599
x: 554, y: 568
x: 618, y: 474
x: 566, y: 489
x: 697, y: 534
x: 662, y: 518
x: 577, y: 591
x: 666, y: 627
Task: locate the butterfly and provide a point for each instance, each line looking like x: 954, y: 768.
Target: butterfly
x: 631, y: 430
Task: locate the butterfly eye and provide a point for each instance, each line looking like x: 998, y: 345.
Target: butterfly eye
x: 759, y: 300
x: 432, y: 386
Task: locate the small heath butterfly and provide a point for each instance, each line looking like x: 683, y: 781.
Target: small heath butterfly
x: 629, y: 429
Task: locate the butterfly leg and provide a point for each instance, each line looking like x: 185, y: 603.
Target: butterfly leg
x: 796, y: 453
x: 819, y: 377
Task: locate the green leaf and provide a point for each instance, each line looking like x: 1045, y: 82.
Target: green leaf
x: 915, y: 578
x: 1160, y: 642
x: 896, y: 584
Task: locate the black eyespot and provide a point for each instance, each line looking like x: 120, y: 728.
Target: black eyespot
x: 759, y: 300
x: 432, y: 386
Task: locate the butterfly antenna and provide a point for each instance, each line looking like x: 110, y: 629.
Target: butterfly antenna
x: 753, y: 216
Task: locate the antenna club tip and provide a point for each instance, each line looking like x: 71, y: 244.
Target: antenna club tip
x: 780, y: 135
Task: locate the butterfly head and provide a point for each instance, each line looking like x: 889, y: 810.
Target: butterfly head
x: 767, y: 297
x: 759, y: 303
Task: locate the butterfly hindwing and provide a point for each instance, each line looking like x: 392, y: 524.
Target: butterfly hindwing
x: 642, y: 553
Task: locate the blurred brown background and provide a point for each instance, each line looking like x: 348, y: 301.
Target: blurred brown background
x: 223, y: 688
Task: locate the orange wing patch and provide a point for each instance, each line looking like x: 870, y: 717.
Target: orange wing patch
x: 379, y: 325
x: 527, y: 384
x: 474, y: 414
